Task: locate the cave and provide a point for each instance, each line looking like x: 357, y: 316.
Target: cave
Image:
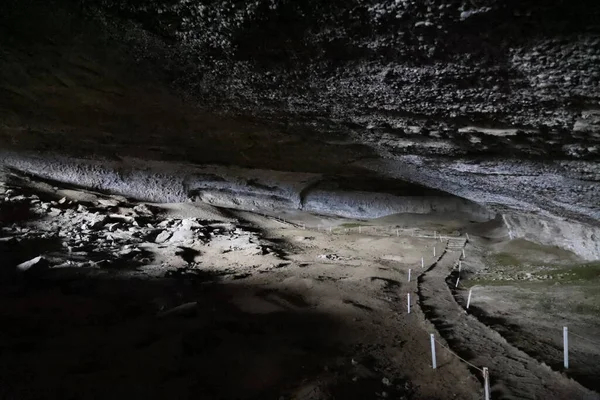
x: 307, y: 200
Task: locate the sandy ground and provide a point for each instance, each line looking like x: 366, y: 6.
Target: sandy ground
x: 133, y: 300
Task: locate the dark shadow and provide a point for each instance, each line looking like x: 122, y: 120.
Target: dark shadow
x: 83, y: 338
x: 187, y: 254
x: 357, y: 305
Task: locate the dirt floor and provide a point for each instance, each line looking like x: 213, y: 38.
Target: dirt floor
x: 528, y: 293
x: 105, y: 297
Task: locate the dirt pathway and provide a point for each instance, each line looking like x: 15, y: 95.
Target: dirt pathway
x: 371, y: 292
x: 514, y: 374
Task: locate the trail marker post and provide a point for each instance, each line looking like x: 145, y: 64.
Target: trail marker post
x: 408, y: 302
x: 469, y: 298
x: 566, y: 346
x: 434, y: 251
x: 463, y: 253
x: 433, y: 361
x: 422, y: 263
x: 486, y: 383
x: 409, y: 271
x: 457, y: 280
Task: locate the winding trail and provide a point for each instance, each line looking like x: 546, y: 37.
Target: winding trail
x: 513, y: 374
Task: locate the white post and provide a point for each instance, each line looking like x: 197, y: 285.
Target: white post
x: 433, y: 361
x: 510, y: 235
x: 409, y: 270
x: 422, y: 263
x: 330, y: 229
x: 463, y: 253
x: 397, y: 232
x: 457, y: 280
x: 408, y: 301
x: 486, y: 383
x: 566, y: 346
x: 434, y: 251
x: 469, y: 298
x: 435, y: 234
x: 459, y: 265
x: 441, y: 238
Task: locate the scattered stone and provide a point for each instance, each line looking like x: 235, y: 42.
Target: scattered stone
x: 54, y: 212
x: 163, y: 237
x: 143, y: 210
x: 96, y: 221
x: 333, y: 257
x: 112, y: 227
x: 108, y: 202
x: 62, y: 201
x: 122, y: 217
x: 34, y: 264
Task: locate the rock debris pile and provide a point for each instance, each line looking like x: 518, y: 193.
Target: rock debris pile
x: 111, y: 233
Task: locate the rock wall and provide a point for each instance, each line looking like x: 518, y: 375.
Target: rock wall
x: 232, y: 187
x: 437, y: 77
x: 581, y: 239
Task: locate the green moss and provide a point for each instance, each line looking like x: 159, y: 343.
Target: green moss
x: 351, y: 225
x: 580, y: 272
x: 486, y: 282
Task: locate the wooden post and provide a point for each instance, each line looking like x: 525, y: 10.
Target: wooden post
x: 469, y: 298
x: 486, y: 383
x: 433, y: 360
x: 566, y: 346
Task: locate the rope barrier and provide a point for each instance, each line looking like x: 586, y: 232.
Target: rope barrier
x: 462, y: 359
x: 582, y: 337
x: 385, y: 229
